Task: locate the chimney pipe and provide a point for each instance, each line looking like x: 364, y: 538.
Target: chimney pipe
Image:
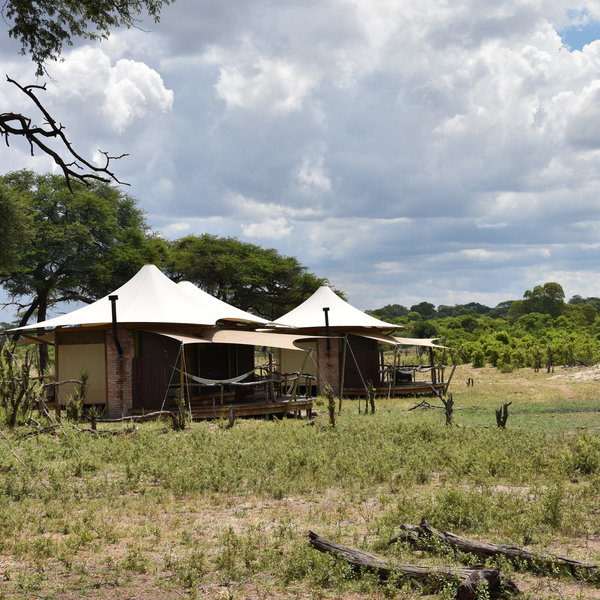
x: 113, y: 301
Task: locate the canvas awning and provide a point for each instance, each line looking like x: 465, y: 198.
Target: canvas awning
x: 285, y: 341
x: 400, y: 341
x: 427, y: 343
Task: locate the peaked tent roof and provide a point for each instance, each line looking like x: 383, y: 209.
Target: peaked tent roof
x: 215, y: 309
x: 310, y: 313
x: 151, y: 297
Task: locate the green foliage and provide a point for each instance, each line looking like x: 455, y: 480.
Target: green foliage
x: 545, y: 299
x: 44, y: 27
x: 425, y: 309
x: 516, y: 333
x: 13, y: 226
x: 18, y: 389
x: 83, y: 243
x: 390, y: 312
x: 192, y: 509
x: 250, y: 277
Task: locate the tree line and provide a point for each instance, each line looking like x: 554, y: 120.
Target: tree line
x: 540, y: 330
x: 64, y: 243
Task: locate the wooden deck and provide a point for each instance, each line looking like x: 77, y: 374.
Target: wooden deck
x: 413, y: 388
x: 281, y: 407
x: 218, y: 407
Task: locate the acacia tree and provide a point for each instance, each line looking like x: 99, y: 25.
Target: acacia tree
x: 13, y: 225
x: 244, y: 274
x: 43, y: 28
x: 81, y: 243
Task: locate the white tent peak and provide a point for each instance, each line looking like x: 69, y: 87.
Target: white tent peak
x: 150, y: 297
x: 213, y: 307
x: 310, y: 313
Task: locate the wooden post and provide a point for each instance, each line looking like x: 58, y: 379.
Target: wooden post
x: 433, y: 373
x: 271, y: 397
x: 181, y: 373
x: 343, y: 371
x: 392, y: 383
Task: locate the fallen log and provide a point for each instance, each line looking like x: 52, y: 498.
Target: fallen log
x: 99, y: 432
x: 485, y: 550
x: 153, y: 415
x: 469, y: 578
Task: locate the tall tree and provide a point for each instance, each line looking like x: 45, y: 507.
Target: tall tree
x: 546, y: 299
x: 425, y: 309
x: 245, y: 275
x: 13, y: 226
x: 81, y: 244
x: 43, y: 28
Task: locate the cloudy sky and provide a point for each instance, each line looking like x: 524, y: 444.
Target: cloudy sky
x: 439, y: 151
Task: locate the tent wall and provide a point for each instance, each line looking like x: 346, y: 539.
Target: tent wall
x: 295, y: 361
x: 76, y: 353
x: 292, y: 361
x: 362, y: 362
x: 224, y: 361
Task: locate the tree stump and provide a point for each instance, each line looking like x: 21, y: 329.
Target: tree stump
x: 502, y: 415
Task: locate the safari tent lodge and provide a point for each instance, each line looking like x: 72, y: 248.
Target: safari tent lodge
x: 153, y: 343
x: 349, y: 351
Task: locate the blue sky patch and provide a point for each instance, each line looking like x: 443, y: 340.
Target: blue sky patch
x: 577, y: 36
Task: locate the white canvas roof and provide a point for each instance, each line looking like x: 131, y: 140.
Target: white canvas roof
x: 214, y: 309
x: 310, y: 313
x: 151, y: 297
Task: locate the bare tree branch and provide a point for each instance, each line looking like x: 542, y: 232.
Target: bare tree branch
x: 79, y: 168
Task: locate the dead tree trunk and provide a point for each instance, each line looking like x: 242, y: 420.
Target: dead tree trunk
x: 469, y: 578
x: 330, y: 404
x: 371, y: 391
x: 484, y: 550
x: 502, y: 415
x: 448, y: 408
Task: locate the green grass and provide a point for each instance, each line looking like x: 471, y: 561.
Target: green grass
x: 180, y: 513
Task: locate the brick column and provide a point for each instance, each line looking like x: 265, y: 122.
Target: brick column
x: 329, y: 365
x: 119, y: 382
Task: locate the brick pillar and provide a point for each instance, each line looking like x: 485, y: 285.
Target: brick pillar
x: 329, y: 365
x: 119, y: 382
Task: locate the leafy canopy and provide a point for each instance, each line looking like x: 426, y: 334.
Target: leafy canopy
x: 250, y: 277
x: 78, y: 245
x: 43, y: 27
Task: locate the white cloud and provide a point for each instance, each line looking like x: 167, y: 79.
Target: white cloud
x: 429, y: 151
x: 126, y: 92
x: 176, y: 229
x: 269, y: 229
x: 312, y: 176
x: 250, y: 80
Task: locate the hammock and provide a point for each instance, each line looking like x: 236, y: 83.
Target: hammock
x: 234, y: 380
